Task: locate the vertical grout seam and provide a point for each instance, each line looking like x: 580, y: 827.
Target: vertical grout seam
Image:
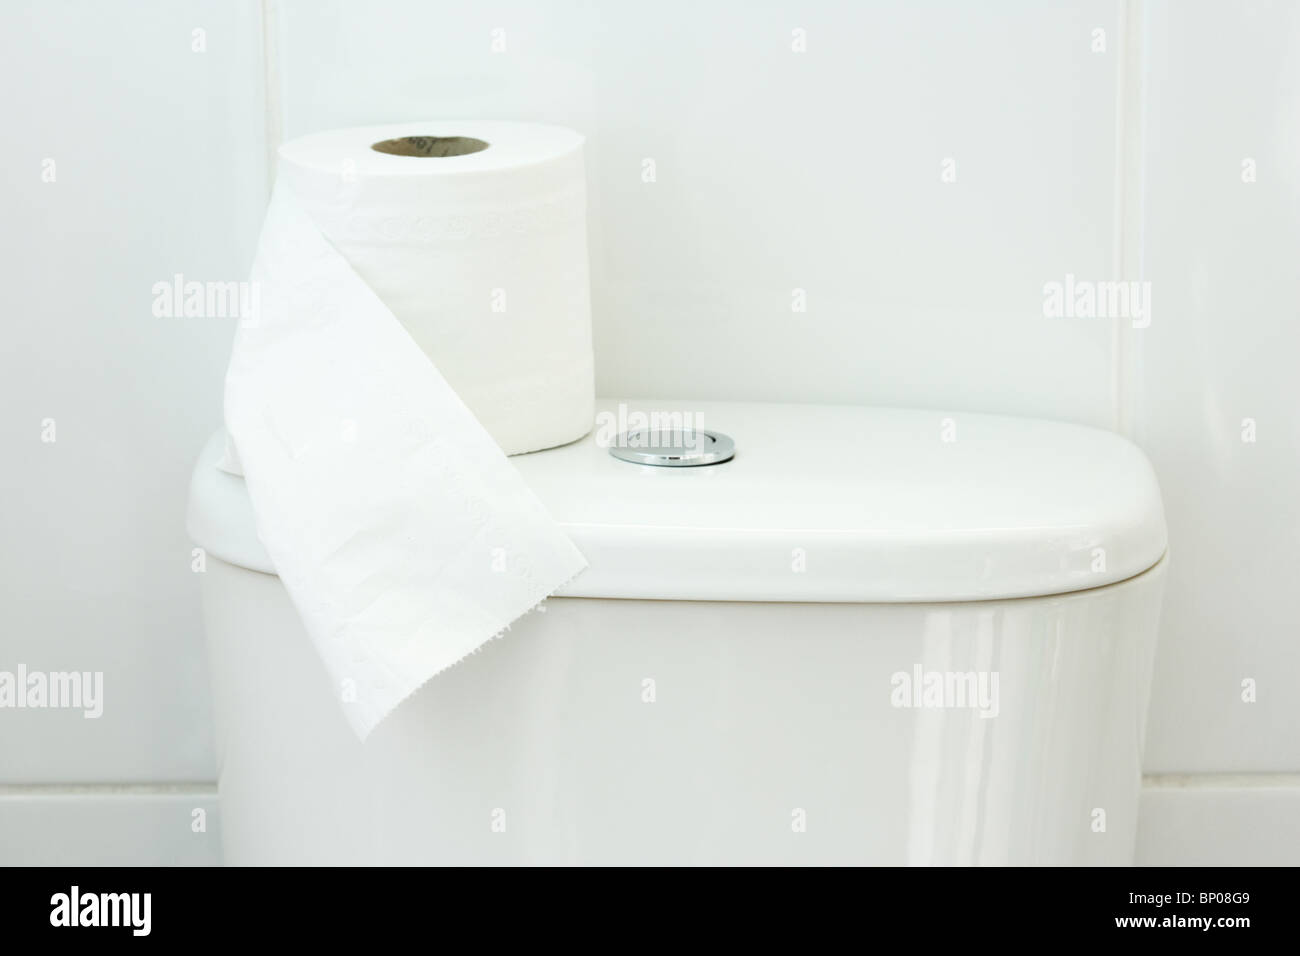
x: 1127, y: 232
x: 271, y: 105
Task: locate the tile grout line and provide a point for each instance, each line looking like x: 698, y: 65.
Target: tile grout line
x: 1126, y: 236
x: 1214, y: 780
x: 273, y: 114
x: 1155, y: 781
x: 106, y: 789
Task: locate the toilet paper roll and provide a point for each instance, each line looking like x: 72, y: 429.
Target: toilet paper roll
x: 419, y: 314
x: 474, y: 235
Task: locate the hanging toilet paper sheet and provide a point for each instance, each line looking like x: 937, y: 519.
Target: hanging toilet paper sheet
x: 423, y: 311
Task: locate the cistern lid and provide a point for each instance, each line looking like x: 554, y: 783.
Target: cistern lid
x: 819, y: 503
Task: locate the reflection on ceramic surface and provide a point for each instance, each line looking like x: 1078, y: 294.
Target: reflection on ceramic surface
x: 659, y: 732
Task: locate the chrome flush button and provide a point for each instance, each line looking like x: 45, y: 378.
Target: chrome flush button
x: 673, y: 448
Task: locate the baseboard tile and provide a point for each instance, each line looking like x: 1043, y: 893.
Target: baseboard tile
x: 109, y: 825
x: 1220, y: 820
x: 1186, y: 820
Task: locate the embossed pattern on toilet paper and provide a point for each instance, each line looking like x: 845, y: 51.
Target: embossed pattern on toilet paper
x: 481, y: 257
x: 403, y: 535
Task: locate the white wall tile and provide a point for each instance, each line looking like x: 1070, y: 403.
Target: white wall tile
x: 1222, y: 256
x: 1220, y: 821
x: 158, y: 171
x: 779, y: 170
x: 1195, y: 821
x: 99, y: 827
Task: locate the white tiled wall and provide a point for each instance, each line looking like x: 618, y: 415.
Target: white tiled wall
x: 153, y: 825
x: 156, y: 166
x: 776, y: 170
x: 1223, y: 257
x: 1219, y: 820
